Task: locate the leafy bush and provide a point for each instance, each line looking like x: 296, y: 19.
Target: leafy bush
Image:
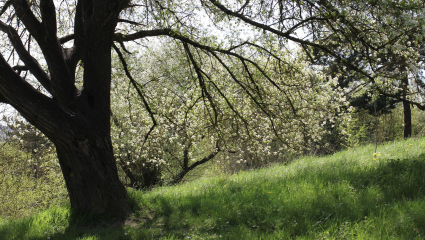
x: 29, y: 181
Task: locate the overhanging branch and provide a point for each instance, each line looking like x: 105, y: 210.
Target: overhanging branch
x: 137, y: 86
x: 204, y: 90
x: 287, y: 36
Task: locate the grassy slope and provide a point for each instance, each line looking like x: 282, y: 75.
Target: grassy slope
x: 345, y: 196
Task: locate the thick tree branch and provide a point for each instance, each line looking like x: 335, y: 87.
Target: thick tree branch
x: 24, y: 13
x: 20, y: 68
x: 129, y: 21
x: 48, y: 15
x: 76, y: 53
x: 400, y: 98
x: 5, y: 7
x: 66, y: 38
x: 2, y: 99
x: 37, y: 108
x: 61, y: 80
x: 30, y: 62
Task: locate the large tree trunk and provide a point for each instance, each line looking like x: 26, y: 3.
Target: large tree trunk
x: 84, y: 150
x: 77, y: 121
x: 406, y: 106
x: 407, y: 119
x: 90, y: 174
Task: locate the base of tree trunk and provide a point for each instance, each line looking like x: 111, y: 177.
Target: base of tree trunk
x: 92, y: 180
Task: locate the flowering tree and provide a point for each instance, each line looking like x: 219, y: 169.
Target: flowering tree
x: 182, y: 130
x: 31, y: 141
x: 58, y: 75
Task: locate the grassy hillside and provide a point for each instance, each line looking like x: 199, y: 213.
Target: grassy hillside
x: 353, y: 194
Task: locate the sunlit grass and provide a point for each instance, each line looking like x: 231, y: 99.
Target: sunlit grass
x: 349, y: 195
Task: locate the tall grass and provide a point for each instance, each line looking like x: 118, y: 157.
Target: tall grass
x: 348, y: 195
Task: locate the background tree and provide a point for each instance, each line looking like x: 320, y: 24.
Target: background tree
x: 391, y: 59
x: 30, y: 140
x: 30, y: 177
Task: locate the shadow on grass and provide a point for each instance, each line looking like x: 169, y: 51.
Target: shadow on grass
x: 72, y: 226
x: 322, y: 200
x: 15, y: 230
x: 314, y: 201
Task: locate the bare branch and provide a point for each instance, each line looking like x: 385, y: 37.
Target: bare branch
x: 129, y: 21
x: 204, y: 89
x: 288, y: 36
x: 181, y: 175
x: 243, y: 7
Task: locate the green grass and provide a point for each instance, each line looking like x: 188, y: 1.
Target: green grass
x: 344, y: 196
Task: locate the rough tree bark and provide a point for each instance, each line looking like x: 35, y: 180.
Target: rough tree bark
x: 76, y: 120
x: 407, y: 112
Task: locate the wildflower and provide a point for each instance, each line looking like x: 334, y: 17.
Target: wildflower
x: 376, y: 156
